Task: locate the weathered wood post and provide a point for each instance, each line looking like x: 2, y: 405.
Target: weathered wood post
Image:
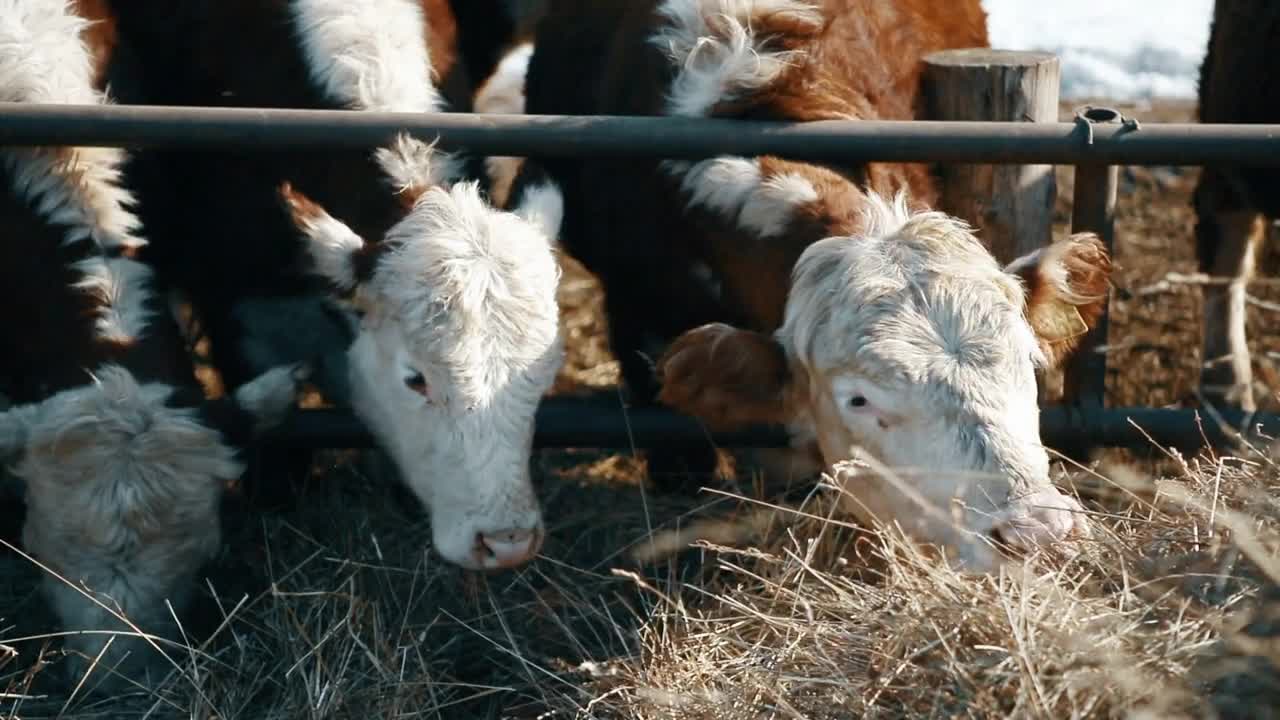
x: 1011, y: 205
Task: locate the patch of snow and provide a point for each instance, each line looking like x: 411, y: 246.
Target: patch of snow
x: 1122, y: 51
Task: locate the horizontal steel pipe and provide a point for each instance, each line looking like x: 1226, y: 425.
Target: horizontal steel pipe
x: 590, y: 423
x: 211, y: 128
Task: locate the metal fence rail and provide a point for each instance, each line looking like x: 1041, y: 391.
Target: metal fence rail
x: 598, y: 423
x: 564, y: 422
x: 599, y: 136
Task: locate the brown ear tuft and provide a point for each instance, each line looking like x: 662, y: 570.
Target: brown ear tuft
x: 1088, y: 274
x: 726, y: 377
x: 409, y: 195
x: 1067, y: 285
x: 301, y: 208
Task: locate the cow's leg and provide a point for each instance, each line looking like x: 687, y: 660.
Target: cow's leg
x: 1229, y: 242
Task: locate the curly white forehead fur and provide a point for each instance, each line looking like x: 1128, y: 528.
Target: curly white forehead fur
x: 913, y: 292
x: 476, y: 285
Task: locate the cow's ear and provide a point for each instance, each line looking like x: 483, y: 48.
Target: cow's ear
x: 535, y: 196
x: 1066, y: 285
x: 726, y: 377
x: 336, y: 251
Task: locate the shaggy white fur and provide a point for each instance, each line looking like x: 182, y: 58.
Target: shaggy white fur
x: 43, y: 60
x: 717, y: 54
x: 124, y: 287
x: 373, y: 55
x: 718, y: 57
x: 734, y: 188
x: 368, y: 54
x: 122, y: 495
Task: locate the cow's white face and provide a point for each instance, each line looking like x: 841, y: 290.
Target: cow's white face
x: 909, y: 357
x: 122, y: 491
x: 458, y: 341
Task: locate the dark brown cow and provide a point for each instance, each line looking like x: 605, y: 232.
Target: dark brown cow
x: 826, y: 297
x: 487, y: 29
x: 446, y: 329
x: 1235, y: 206
x: 118, y: 456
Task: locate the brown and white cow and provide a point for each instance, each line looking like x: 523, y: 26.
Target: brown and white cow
x: 456, y: 335
x: 118, y: 456
x: 829, y: 298
x: 1235, y: 206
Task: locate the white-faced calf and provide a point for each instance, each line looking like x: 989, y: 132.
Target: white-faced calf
x: 457, y: 334
x: 829, y: 298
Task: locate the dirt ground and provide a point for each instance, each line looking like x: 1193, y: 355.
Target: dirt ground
x: 335, y: 607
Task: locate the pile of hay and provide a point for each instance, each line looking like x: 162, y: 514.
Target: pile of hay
x: 735, y: 609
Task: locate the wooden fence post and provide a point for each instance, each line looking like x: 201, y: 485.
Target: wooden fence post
x: 1011, y: 205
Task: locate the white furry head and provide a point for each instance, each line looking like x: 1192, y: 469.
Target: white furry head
x: 122, y: 484
x: 907, y: 347
x: 459, y: 341
x: 122, y: 495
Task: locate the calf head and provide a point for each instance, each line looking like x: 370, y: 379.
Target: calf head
x: 122, y: 485
x: 457, y: 342
x: 908, y: 347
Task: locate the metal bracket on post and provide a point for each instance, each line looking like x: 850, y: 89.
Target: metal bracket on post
x: 1093, y: 210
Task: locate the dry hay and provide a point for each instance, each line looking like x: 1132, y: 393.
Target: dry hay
x: 820, y: 621
x: 741, y: 607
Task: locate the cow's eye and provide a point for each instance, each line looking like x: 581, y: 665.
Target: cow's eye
x: 417, y: 383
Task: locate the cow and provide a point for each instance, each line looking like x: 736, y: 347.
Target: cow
x: 1235, y: 206
x: 830, y: 298
x: 104, y: 429
x: 434, y: 311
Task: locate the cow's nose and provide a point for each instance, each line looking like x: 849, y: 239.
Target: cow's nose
x: 1040, y: 520
x: 507, y: 548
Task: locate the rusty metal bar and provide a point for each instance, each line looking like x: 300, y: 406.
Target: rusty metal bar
x: 589, y: 423
x: 1093, y: 209
x: 211, y: 128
